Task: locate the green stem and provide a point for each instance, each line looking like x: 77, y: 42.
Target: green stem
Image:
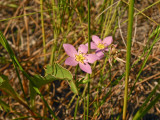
x: 129, y: 41
x: 50, y: 110
x: 76, y: 71
x: 20, y: 80
x: 42, y: 23
x: 84, y: 116
x: 88, y: 97
x: 73, y: 97
x: 55, y: 33
x: 75, y: 112
x: 89, y: 46
x: 89, y: 40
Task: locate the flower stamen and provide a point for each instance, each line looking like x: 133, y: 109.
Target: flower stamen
x: 101, y: 46
x: 80, y: 58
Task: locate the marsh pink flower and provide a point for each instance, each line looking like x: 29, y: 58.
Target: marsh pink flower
x: 79, y: 57
x: 99, y: 45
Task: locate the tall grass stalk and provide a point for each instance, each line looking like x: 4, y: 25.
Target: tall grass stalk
x: 52, y: 59
x: 89, y: 46
x: 84, y: 113
x: 129, y: 41
x: 43, y: 33
x: 75, y: 112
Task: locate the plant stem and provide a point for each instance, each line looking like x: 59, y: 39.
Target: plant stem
x: 76, y: 71
x: 129, y: 41
x: 89, y: 45
x: 84, y: 109
x: 43, y: 34
x: 55, y: 33
x: 89, y: 40
x: 75, y: 112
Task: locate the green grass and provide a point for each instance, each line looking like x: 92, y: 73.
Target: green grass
x: 73, y: 22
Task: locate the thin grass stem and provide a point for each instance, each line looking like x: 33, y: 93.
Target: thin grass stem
x: 52, y: 59
x: 89, y: 46
x: 75, y: 112
x: 84, y: 113
x: 43, y: 32
x: 73, y: 97
x: 128, y: 54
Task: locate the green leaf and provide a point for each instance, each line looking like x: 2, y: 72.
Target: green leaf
x: 49, y: 70
x: 73, y: 87
x: 38, y: 81
x: 61, y: 72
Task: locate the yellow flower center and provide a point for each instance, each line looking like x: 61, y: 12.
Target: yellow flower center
x: 80, y: 58
x: 101, y: 46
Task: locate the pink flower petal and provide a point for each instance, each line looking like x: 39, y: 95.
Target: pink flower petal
x: 91, y: 58
x: 99, y: 53
x: 71, y: 61
x: 93, y: 45
x: 83, y: 48
x: 85, y: 67
x: 70, y: 50
x: 108, y: 40
x: 96, y: 39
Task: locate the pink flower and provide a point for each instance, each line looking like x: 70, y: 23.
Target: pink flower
x: 99, y: 45
x: 79, y: 57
